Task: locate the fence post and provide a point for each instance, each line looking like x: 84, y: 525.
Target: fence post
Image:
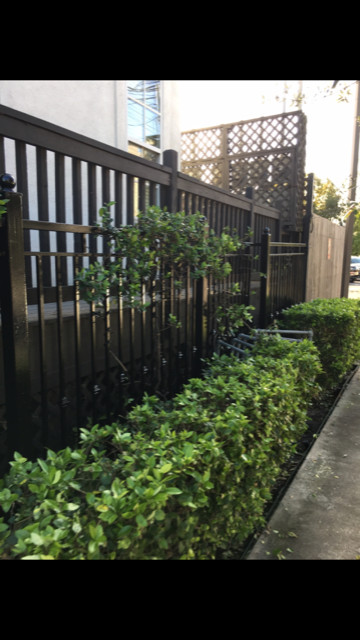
x: 170, y: 159
x: 15, y: 333
x: 264, y: 278
x: 224, y: 154
x: 249, y: 193
x: 307, y: 225
x: 200, y: 327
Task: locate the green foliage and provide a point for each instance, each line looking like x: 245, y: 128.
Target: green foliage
x: 3, y: 207
x: 172, y: 242
x: 232, y: 317
x: 174, y: 245
x: 336, y: 326
x: 179, y: 480
x: 355, y: 251
x: 328, y: 200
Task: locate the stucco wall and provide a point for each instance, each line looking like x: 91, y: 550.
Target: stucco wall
x: 325, y: 264
x: 94, y: 108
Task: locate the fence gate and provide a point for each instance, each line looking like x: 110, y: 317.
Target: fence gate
x: 283, y: 267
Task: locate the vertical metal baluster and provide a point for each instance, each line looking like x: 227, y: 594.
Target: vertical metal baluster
x: 60, y: 326
x: 43, y: 205
x: 120, y: 324
x: 189, y: 329
x: 213, y: 307
x: 142, y: 195
x: 130, y: 188
x: 60, y: 208
x: 93, y: 242
x: 42, y: 352
x: 132, y: 368
x: 105, y: 174
x: 153, y: 330
x: 186, y: 203
x: 118, y: 199
x: 22, y: 187
x: 143, y: 341
x: 107, y: 330
x: 94, y: 386
x: 169, y: 308
x: 92, y: 209
x: 162, y: 325
x: 77, y: 328
x: 77, y: 202
x: 152, y: 194
x: 179, y: 314
x: 2, y: 155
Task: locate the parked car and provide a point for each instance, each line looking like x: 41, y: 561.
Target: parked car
x: 354, y: 268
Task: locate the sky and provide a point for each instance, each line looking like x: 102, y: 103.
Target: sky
x: 329, y: 138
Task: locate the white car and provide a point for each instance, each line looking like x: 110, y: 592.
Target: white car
x: 354, y: 268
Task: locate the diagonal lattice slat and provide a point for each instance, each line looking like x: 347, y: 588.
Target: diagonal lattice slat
x: 267, y: 154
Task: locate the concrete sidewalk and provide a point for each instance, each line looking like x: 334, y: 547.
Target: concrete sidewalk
x: 319, y: 516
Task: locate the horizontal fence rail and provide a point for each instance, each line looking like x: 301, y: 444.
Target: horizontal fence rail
x: 65, y: 178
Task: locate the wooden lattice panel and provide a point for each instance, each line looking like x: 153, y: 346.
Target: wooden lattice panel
x: 209, y: 172
x: 201, y: 144
x: 270, y: 177
x: 267, y: 154
x: 264, y: 134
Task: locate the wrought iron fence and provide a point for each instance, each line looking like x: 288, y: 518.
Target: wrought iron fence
x: 68, y: 362
x: 283, y: 266
x: 64, y: 362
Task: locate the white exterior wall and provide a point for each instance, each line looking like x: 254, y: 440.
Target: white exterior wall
x: 93, y: 108
x: 171, y: 134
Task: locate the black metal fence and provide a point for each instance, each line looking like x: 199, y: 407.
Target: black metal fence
x: 64, y: 362
x: 67, y: 363
x: 283, y: 266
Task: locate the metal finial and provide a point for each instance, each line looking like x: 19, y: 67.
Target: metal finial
x: 7, y: 182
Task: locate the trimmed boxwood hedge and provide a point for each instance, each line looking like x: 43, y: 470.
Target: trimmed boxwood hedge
x: 176, y: 480
x: 336, y: 327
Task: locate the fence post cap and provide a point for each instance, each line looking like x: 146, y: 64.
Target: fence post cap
x: 7, y: 182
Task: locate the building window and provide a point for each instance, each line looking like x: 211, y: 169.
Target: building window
x: 144, y: 117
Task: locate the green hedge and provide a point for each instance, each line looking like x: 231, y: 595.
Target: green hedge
x: 336, y: 326
x: 178, y: 480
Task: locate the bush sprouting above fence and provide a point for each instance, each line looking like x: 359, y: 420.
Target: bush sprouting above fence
x: 175, y: 245
x: 179, y: 480
x: 159, y: 237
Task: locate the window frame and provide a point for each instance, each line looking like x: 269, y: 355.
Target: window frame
x: 132, y: 141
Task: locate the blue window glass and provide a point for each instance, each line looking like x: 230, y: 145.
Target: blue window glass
x: 152, y: 94
x: 144, y: 112
x: 152, y: 128
x: 136, y: 122
x: 136, y: 89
